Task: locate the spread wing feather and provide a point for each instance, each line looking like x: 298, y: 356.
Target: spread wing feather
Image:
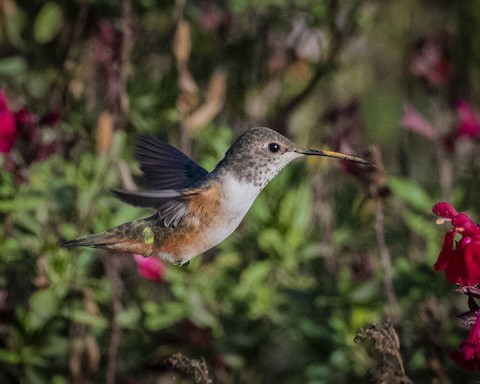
x: 168, y: 176
x: 164, y: 166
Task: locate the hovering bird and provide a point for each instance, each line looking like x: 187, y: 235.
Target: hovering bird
x: 197, y: 209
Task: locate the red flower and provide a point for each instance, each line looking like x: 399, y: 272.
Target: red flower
x: 460, y: 259
x: 150, y: 268
x: 469, y: 355
x: 8, y: 128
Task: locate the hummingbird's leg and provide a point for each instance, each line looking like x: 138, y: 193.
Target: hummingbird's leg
x: 180, y: 263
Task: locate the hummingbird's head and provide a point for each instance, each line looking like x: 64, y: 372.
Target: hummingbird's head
x: 259, y: 154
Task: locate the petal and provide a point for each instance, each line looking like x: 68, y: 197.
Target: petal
x: 471, y: 257
x: 468, y: 125
x: 446, y: 254
x: 471, y: 346
x: 455, y: 271
x: 468, y: 227
x: 150, y: 268
x: 468, y: 350
x: 415, y: 122
x: 469, y: 357
x: 445, y: 210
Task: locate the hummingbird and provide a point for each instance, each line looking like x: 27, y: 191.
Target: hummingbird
x: 197, y: 209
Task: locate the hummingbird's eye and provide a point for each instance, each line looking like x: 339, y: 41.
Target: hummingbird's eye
x: 274, y: 147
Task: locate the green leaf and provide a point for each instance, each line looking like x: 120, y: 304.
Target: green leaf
x: 43, y: 305
x: 83, y: 317
x: 13, y: 66
x: 9, y: 357
x: 129, y: 318
x: 365, y: 292
x: 271, y: 241
x: 252, y: 277
x: 412, y: 193
x: 160, y: 316
x: 199, y: 311
x: 47, y: 23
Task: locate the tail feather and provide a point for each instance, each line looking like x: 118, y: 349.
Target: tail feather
x: 133, y: 237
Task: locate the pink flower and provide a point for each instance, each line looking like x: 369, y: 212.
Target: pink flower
x: 430, y: 59
x: 415, y: 122
x: 150, y: 268
x: 460, y: 259
x: 8, y: 127
x: 468, y: 125
x: 469, y: 355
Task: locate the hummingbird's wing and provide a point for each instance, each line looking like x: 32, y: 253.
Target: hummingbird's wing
x: 164, y: 166
x: 171, y: 205
x: 168, y: 174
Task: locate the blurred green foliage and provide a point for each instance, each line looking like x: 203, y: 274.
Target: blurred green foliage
x: 281, y: 300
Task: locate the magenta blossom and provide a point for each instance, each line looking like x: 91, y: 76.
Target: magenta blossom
x: 469, y: 355
x: 150, y: 268
x: 8, y: 127
x: 460, y: 259
x: 468, y: 124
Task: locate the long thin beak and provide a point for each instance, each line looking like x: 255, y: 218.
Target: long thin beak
x: 315, y: 152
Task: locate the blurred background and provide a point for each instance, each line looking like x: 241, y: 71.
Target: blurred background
x: 327, y: 249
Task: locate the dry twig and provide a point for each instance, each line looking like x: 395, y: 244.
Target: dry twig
x: 192, y: 367
x: 390, y: 368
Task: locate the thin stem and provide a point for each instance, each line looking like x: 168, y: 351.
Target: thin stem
x: 381, y: 242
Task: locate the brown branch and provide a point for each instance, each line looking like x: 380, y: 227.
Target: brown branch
x: 284, y: 111
x: 71, y: 55
x: 112, y: 263
x: 338, y: 40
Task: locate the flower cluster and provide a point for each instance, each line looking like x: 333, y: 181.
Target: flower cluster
x: 429, y: 59
x: 460, y: 259
x: 467, y: 126
x: 24, y: 131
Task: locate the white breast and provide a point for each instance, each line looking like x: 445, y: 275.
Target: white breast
x: 237, y: 200
x: 238, y: 197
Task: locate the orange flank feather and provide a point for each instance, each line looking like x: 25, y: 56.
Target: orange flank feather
x: 203, y: 208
